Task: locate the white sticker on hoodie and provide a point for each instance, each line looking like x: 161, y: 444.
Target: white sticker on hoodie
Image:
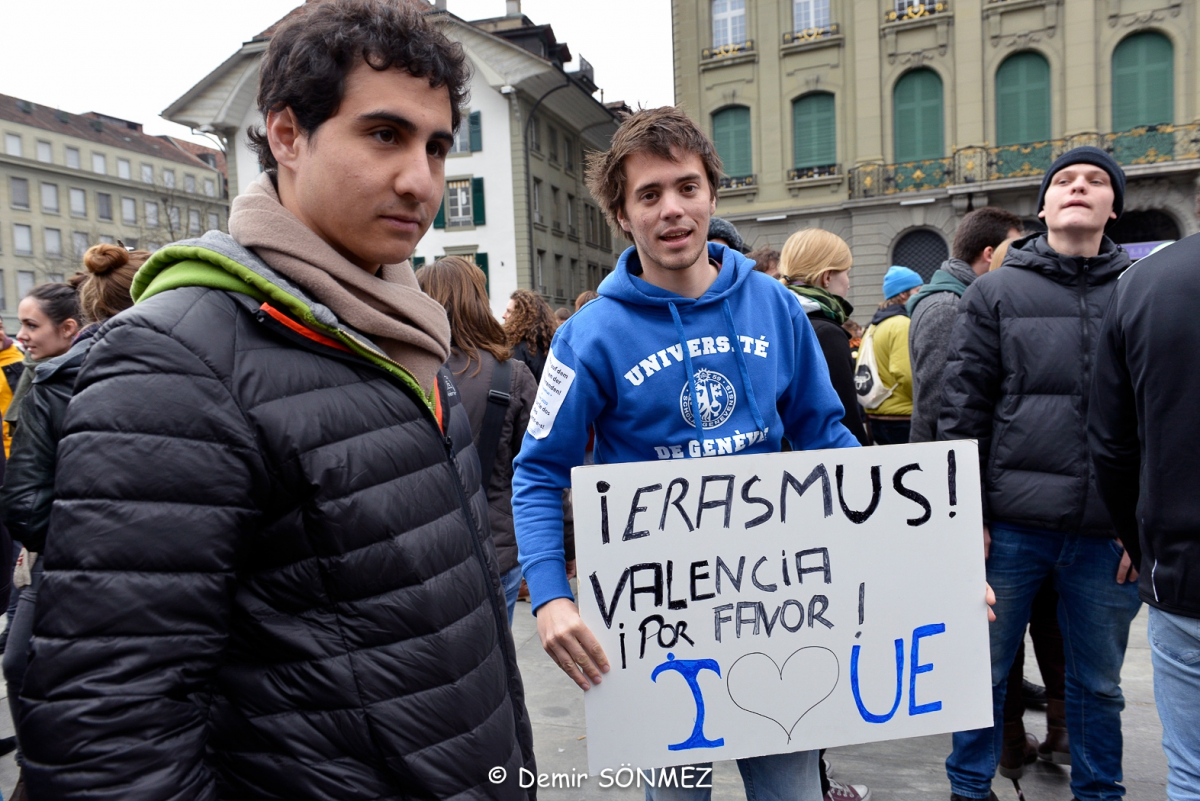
x: 556, y: 381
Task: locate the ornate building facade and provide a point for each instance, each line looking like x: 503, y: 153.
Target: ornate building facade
x: 885, y: 121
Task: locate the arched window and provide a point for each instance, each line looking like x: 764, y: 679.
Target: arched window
x: 731, y: 135
x: 814, y: 131
x: 917, y: 116
x: 922, y: 250
x: 1023, y: 100
x: 1143, y: 81
x: 729, y: 22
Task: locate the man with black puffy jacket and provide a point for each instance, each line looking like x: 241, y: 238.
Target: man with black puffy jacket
x: 268, y: 572
x: 1145, y: 437
x: 1018, y: 379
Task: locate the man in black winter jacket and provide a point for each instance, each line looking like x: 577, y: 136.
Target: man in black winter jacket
x: 1018, y: 380
x: 1145, y: 437
x: 268, y: 572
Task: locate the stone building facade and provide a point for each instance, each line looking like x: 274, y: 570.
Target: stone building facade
x: 885, y: 121
x: 69, y: 181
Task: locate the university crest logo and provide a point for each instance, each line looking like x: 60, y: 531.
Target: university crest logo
x: 716, y: 396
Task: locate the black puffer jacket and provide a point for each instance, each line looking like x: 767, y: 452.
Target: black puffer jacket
x: 268, y: 573
x: 1018, y: 376
x: 1144, y: 423
x: 29, y: 478
x: 474, y: 388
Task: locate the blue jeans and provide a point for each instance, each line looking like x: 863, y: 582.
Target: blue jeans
x: 1175, y: 652
x: 1094, y: 613
x: 775, y: 777
x: 512, y: 585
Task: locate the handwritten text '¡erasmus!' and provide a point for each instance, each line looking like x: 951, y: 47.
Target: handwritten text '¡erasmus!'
x: 675, y: 500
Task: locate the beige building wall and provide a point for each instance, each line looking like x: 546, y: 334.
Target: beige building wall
x: 44, y: 161
x: 861, y: 58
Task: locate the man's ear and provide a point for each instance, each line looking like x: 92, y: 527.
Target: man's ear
x: 1042, y: 213
x: 1112, y: 215
x: 624, y: 223
x: 284, y: 136
x: 987, y: 254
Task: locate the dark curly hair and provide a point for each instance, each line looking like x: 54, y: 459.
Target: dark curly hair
x: 530, y: 321
x: 306, y: 65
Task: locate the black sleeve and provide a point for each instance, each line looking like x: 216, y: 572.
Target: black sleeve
x: 836, y: 348
x: 972, y: 380
x: 1113, y: 432
x: 157, y: 469
x: 29, y: 477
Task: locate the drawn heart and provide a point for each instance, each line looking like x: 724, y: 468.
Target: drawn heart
x: 784, y: 695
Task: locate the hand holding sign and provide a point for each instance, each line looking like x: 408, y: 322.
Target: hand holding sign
x: 570, y: 643
x: 779, y: 602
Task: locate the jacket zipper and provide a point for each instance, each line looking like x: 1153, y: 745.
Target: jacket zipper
x: 1087, y: 382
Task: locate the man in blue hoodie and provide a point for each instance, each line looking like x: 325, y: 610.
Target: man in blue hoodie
x: 688, y: 352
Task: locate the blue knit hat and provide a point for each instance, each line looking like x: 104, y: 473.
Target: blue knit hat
x: 899, y: 279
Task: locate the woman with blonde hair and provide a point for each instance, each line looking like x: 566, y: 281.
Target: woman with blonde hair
x: 815, y: 266
x: 484, y: 370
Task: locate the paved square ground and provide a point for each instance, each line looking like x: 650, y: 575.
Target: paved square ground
x: 900, y: 770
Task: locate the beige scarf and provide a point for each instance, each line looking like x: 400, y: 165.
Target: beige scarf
x: 404, y: 322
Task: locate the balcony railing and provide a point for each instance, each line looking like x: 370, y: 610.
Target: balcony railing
x: 872, y: 180
x: 727, y: 50
x: 811, y: 34
x: 1152, y: 144
x: 738, y: 181
x: 906, y: 10
x: 803, y: 173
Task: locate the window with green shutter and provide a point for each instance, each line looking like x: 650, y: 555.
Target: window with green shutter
x: 475, y: 132
x: 1023, y: 100
x: 917, y: 116
x: 731, y: 135
x: 1143, y: 81
x: 814, y: 131
x: 479, y: 217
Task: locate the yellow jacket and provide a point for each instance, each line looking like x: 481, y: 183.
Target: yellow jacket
x: 10, y: 355
x: 891, y: 355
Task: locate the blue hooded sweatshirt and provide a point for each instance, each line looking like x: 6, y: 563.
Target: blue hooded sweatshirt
x: 637, y: 362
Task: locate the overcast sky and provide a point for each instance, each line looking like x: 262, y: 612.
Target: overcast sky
x: 133, y: 58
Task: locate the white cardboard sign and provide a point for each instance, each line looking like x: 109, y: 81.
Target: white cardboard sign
x: 771, y: 603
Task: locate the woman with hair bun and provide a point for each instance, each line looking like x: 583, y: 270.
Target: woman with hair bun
x: 52, y: 329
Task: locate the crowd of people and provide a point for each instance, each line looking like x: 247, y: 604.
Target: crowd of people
x: 271, y: 497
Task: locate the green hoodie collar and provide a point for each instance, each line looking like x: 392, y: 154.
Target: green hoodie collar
x: 942, y: 281
x: 193, y: 263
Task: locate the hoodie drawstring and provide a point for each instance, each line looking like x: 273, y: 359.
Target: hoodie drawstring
x: 741, y: 363
x: 687, y: 364
x: 738, y: 357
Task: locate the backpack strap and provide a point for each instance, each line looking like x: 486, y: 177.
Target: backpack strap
x: 493, y: 420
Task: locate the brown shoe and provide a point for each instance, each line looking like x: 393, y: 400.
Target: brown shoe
x: 1057, y: 747
x: 1017, y: 754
